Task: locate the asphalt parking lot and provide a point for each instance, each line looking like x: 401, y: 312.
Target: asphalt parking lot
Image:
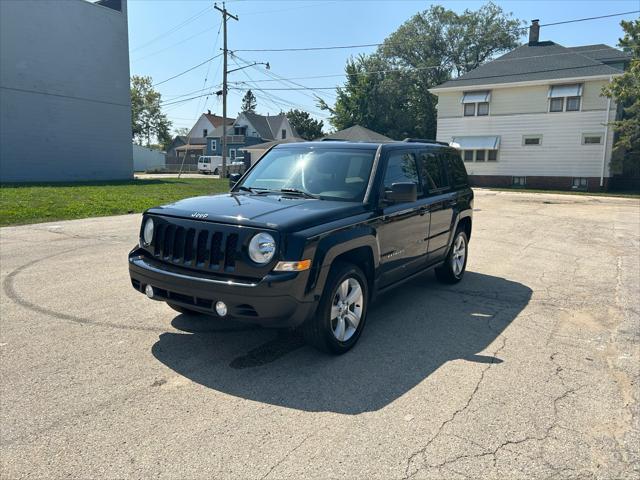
x: 529, y: 368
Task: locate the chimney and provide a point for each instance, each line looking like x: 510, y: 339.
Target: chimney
x: 209, y: 112
x: 534, y: 32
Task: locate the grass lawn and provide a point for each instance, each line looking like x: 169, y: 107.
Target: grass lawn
x: 34, y: 203
x: 635, y: 194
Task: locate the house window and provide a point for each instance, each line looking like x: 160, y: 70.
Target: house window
x: 483, y: 109
x: 476, y: 103
x: 565, y: 98
x: 232, y: 153
x: 580, y: 183
x: 468, y: 155
x: 214, y: 145
x: 204, y: 132
x: 284, y: 134
x: 573, y: 104
x: 480, y: 155
x: 591, y: 139
x: 556, y: 105
x: 531, y: 140
x: 519, y: 181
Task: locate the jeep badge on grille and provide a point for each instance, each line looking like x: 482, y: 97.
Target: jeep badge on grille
x: 199, y: 215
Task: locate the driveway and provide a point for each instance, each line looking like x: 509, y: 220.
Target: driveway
x: 528, y: 368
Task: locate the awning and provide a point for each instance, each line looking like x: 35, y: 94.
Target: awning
x: 477, y: 143
x: 574, y: 90
x: 476, y: 97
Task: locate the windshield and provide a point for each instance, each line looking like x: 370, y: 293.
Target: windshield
x: 332, y: 173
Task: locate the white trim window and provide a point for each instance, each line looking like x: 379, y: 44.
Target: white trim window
x: 476, y: 104
x: 592, y: 139
x: 531, y: 140
x: 214, y: 145
x: 565, y: 98
x: 580, y: 183
x: 480, y: 155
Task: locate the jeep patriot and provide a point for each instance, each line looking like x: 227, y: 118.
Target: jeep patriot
x: 309, y: 235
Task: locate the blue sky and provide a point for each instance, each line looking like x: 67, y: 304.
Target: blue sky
x: 160, y: 50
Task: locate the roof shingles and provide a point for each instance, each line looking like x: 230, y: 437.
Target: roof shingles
x: 543, y: 61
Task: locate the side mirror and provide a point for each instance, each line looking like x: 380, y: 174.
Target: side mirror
x: 402, y: 192
x: 233, y: 179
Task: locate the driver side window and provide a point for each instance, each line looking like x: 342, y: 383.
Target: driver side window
x: 401, y: 168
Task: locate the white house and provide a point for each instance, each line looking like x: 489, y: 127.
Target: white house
x: 534, y: 116
x: 206, y: 124
x: 65, y: 107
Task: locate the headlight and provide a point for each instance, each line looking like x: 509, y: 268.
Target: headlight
x: 147, y: 233
x: 262, y: 248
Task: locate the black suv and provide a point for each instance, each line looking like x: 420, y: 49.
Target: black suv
x: 309, y: 235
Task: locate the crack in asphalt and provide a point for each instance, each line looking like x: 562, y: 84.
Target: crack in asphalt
x: 289, y: 453
x: 454, y: 415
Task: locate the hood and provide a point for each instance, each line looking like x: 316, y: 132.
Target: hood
x: 274, y: 211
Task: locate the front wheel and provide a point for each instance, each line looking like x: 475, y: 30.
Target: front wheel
x: 341, y: 314
x: 454, y: 266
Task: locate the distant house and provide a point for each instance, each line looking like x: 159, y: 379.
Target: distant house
x: 255, y: 152
x: 247, y: 130
x: 357, y: 133
x: 206, y: 124
x: 534, y: 116
x: 187, y: 154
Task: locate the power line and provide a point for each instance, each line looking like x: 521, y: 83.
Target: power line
x: 365, y: 45
x: 171, y: 30
x: 187, y: 70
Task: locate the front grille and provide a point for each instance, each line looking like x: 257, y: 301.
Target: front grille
x: 196, y: 247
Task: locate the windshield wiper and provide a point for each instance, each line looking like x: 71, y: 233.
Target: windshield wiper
x: 246, y: 189
x: 296, y: 191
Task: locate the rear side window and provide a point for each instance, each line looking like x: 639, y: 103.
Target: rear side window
x: 401, y: 168
x: 457, y: 171
x: 432, y: 172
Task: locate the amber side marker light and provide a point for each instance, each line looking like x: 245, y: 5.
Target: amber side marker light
x: 293, y: 266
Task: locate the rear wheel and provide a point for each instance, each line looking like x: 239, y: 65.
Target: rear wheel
x: 341, y: 314
x: 186, y: 311
x: 453, y: 268
x: 216, y: 171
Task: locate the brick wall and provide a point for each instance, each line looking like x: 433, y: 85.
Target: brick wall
x: 537, y: 182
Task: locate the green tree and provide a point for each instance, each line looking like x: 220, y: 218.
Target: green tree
x: 307, y: 127
x: 249, y: 102
x: 625, y: 90
x: 147, y: 120
x: 387, y: 91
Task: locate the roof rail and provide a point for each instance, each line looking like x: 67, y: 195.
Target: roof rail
x: 424, y: 140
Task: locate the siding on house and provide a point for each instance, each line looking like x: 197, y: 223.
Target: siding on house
x: 561, y: 152
x: 65, y: 109
x: 519, y: 100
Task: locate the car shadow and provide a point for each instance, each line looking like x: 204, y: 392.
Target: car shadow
x: 410, y: 333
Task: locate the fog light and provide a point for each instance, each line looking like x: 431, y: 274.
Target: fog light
x: 149, y: 291
x: 221, y: 308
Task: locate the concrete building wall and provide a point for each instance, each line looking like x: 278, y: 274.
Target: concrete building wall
x: 65, y: 109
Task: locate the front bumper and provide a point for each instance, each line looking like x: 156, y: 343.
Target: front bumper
x: 271, y: 301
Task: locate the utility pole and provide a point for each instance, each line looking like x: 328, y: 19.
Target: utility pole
x: 225, y: 16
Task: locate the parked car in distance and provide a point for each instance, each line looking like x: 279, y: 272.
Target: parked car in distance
x: 209, y: 164
x: 309, y: 235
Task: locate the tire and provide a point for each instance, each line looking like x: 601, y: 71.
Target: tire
x: 186, y: 311
x: 325, y: 333
x: 454, y: 266
x: 216, y: 171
